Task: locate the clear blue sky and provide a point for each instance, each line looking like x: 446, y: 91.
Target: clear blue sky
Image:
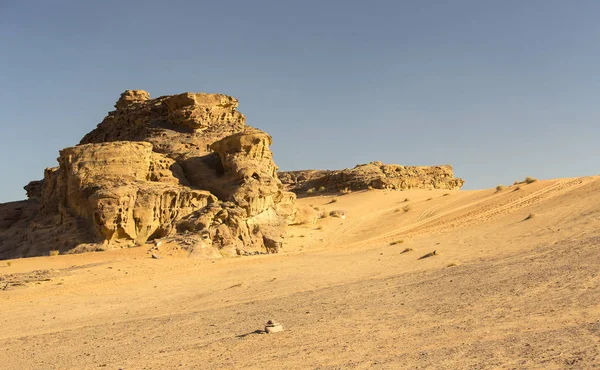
x: 499, y: 89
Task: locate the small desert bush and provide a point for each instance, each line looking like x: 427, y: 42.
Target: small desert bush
x: 369, y: 187
x: 406, y: 208
x: 345, y: 191
x: 338, y: 213
x: 321, y: 189
x: 397, y: 242
x: 530, y: 180
x: 429, y: 199
x: 531, y: 215
x: 333, y: 201
x: 8, y: 263
x: 517, y: 188
x: 499, y: 187
x: 310, y: 191
x: 406, y: 200
x: 516, y: 182
x: 54, y: 253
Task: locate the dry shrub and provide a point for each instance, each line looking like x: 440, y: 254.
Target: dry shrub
x: 531, y: 215
x: 338, y: 213
x: 321, y: 189
x: 54, y: 253
x: 397, y: 242
x: 530, y: 180
x: 499, y: 188
x: 310, y: 191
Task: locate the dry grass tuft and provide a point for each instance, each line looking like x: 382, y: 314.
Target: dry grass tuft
x: 407, y: 250
x: 499, y: 188
x: 530, y: 180
x: 429, y: 199
x: 531, y: 215
x: 397, y: 242
x: 8, y: 263
x: 54, y: 253
x: 345, y: 191
x: 332, y: 201
x: 446, y: 194
x: 310, y: 191
x: 406, y: 200
x: 430, y: 254
x: 321, y: 189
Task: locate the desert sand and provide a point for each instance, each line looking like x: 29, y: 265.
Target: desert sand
x: 514, y: 283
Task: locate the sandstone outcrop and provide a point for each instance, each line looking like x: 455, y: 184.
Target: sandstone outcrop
x: 184, y: 169
x: 376, y: 175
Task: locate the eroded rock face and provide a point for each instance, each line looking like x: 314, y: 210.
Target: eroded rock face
x: 124, y: 191
x: 374, y: 174
x: 131, y: 97
x: 182, y: 168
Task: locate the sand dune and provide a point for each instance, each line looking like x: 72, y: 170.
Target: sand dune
x: 504, y: 290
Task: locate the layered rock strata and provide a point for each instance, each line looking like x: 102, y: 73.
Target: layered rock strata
x: 376, y: 175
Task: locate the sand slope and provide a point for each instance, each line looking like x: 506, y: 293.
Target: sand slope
x: 502, y: 292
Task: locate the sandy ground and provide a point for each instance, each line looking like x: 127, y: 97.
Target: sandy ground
x: 502, y: 291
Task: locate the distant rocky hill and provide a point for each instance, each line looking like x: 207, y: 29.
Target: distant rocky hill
x: 375, y: 175
x: 182, y: 168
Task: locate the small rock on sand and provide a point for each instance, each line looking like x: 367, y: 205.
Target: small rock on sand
x: 273, y: 327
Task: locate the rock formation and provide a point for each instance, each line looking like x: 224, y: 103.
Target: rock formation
x: 182, y: 168
x: 376, y: 175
